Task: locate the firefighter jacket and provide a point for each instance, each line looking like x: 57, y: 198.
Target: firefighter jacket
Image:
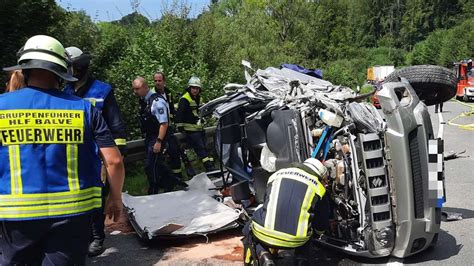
x: 101, y: 95
x: 50, y: 160
x: 285, y: 218
x: 187, y: 115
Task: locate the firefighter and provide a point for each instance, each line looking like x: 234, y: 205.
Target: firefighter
x: 50, y: 149
x: 154, y: 121
x: 188, y: 121
x: 101, y: 95
x: 284, y: 220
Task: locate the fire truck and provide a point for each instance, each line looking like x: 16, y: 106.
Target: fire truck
x: 465, y: 76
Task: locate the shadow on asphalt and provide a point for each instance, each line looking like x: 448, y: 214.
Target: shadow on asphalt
x: 128, y: 249
x: 446, y: 247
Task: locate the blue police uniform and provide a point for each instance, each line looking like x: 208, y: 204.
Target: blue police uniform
x: 153, y: 112
x: 50, y: 173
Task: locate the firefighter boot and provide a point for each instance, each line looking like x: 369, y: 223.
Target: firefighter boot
x: 96, y: 248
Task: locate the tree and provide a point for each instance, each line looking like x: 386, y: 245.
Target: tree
x: 22, y: 19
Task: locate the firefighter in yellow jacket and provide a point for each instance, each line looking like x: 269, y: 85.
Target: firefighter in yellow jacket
x: 188, y: 121
x: 50, y: 149
x: 284, y: 220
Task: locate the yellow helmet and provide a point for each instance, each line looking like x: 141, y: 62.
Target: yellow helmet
x: 44, y: 52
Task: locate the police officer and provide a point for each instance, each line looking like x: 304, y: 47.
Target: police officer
x: 50, y: 147
x: 173, y: 150
x: 188, y: 121
x: 160, y: 87
x: 284, y: 220
x: 154, y: 121
x: 101, y: 95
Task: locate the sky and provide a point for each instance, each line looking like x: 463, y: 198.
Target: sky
x: 108, y: 10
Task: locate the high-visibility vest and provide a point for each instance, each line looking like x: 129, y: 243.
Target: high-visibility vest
x: 284, y: 220
x: 195, y: 111
x: 96, y: 95
x: 50, y: 161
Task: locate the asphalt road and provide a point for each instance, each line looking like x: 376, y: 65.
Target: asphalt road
x: 456, y: 240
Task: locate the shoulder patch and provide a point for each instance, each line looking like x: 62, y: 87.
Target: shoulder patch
x: 161, y: 111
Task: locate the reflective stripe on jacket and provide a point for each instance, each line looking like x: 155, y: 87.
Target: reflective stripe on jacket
x: 189, y: 119
x: 96, y: 93
x: 285, y: 218
x: 50, y: 161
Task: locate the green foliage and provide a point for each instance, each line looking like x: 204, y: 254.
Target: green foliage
x: 443, y: 47
x: 21, y: 19
x: 79, y: 30
x: 341, y: 37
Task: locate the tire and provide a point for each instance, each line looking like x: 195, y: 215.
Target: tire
x: 433, y: 241
x: 465, y: 98
x: 432, y: 84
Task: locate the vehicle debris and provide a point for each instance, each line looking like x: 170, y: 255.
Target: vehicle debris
x: 155, y: 216
x: 387, y: 174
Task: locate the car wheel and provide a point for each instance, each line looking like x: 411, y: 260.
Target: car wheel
x: 465, y: 98
x: 432, y: 84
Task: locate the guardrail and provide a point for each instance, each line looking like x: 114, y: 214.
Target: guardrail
x: 136, y: 148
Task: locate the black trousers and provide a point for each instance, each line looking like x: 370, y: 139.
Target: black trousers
x: 58, y: 241
x: 98, y: 218
x: 197, y: 140
x: 158, y: 173
x: 173, y: 152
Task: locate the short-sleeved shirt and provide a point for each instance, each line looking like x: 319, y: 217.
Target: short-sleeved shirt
x: 160, y: 109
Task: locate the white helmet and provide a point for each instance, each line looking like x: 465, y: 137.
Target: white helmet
x: 44, y: 52
x: 194, y: 82
x: 316, y: 166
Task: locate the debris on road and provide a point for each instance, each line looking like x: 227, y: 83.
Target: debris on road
x: 180, y: 213
x: 451, y: 216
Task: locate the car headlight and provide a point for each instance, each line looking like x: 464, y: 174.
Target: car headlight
x: 381, y: 241
x: 470, y: 89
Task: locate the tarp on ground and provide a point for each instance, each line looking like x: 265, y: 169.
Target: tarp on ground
x: 180, y: 213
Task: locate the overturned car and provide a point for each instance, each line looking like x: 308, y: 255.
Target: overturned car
x: 386, y: 168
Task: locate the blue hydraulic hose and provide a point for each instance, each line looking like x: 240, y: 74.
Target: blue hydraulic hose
x: 320, y: 142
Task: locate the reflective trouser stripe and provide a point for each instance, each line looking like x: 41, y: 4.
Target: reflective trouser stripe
x: 192, y: 127
x: 25, y: 212
x: 176, y: 171
x: 210, y: 159
x: 15, y: 169
x: 120, y: 142
x: 72, y: 168
x: 304, y: 215
x: 276, y: 238
x: 49, y: 198
x: 272, y: 205
x: 248, y: 255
